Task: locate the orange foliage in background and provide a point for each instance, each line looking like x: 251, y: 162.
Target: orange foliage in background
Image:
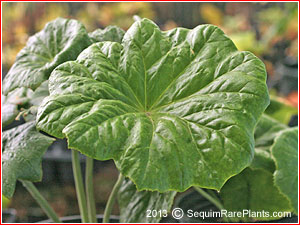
x: 256, y: 27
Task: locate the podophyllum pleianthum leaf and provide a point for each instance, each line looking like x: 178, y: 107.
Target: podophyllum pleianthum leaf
x: 254, y: 189
x: 285, y: 154
x: 22, y: 151
x: 61, y: 40
x: 134, y: 205
x: 110, y: 33
x: 13, y: 100
x: 265, y: 132
x: 173, y: 109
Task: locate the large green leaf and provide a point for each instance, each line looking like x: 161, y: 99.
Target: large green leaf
x: 265, y: 132
x: 22, y: 151
x: 173, y: 109
x: 134, y: 204
x: 254, y: 188
x: 22, y: 96
x: 61, y: 40
x: 285, y: 153
x: 110, y: 33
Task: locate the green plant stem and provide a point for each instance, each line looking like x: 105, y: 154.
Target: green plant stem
x: 213, y: 200
x: 212, y: 193
x: 112, y: 199
x: 79, y: 186
x: 41, y: 201
x: 91, y: 206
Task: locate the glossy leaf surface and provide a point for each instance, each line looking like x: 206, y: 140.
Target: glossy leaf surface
x: 173, y: 109
x: 110, y: 33
x: 134, y: 204
x: 22, y: 151
x: 61, y: 40
x: 285, y: 153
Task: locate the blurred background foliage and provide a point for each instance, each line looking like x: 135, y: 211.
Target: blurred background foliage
x: 269, y: 30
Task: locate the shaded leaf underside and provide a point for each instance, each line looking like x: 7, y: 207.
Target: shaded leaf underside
x: 254, y: 188
x: 173, y: 109
x: 134, y: 204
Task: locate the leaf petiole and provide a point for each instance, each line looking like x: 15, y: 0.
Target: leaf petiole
x: 112, y: 199
x: 79, y: 186
x: 41, y: 200
x: 213, y: 200
x: 90, y: 190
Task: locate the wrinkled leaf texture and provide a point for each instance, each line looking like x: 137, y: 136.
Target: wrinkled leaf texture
x: 134, y: 204
x: 22, y: 151
x: 173, y: 109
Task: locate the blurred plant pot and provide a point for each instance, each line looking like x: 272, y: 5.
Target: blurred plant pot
x: 9, y: 216
x: 196, y: 202
x: 77, y: 219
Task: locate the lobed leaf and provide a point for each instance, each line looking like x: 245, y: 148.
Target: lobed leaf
x: 61, y: 40
x: 265, y: 132
x: 173, y: 109
x: 254, y: 189
x: 22, y: 151
x: 285, y: 153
